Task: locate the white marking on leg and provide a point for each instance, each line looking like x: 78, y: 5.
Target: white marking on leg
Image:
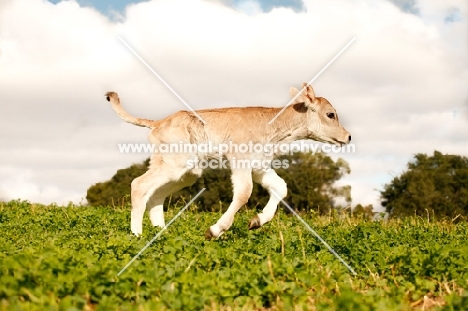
x: 143, y: 189
x: 140, y: 194
x: 270, y: 181
x: 156, y: 214
x: 242, y: 185
x: 156, y: 202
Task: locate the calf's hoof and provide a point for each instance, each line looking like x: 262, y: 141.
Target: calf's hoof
x: 208, y: 234
x: 254, y: 223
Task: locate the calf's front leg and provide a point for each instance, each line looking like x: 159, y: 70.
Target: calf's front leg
x: 277, y: 188
x: 242, y: 186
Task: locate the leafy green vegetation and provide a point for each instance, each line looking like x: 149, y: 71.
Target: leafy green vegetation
x: 67, y: 258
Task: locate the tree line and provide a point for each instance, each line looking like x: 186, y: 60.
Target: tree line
x: 434, y: 185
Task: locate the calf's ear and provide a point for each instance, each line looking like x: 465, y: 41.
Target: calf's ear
x: 306, y: 98
x: 309, y: 91
x: 297, y: 98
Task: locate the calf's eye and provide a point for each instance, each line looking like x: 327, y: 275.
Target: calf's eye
x: 331, y: 115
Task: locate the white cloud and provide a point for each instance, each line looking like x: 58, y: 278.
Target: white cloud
x: 397, y: 88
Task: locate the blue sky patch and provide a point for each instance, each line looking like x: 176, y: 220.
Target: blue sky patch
x: 453, y: 16
x: 108, y: 6
x: 104, y: 6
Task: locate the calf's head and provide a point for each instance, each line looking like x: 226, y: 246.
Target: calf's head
x: 321, y: 118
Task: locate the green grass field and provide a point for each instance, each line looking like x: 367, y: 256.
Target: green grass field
x: 67, y: 258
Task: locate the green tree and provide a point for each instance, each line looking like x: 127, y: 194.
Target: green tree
x: 310, y: 180
x: 436, y: 184
x: 115, y: 191
x: 365, y: 212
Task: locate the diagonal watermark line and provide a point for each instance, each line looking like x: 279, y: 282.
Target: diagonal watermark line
x: 162, y: 80
x: 315, y: 233
x: 160, y: 232
x: 313, y: 79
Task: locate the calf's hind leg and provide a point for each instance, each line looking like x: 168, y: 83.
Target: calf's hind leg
x: 142, y: 189
x: 154, y: 186
x: 156, y: 201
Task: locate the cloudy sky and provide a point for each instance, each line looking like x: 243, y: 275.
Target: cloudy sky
x: 400, y: 88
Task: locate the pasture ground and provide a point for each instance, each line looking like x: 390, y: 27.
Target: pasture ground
x: 67, y: 258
